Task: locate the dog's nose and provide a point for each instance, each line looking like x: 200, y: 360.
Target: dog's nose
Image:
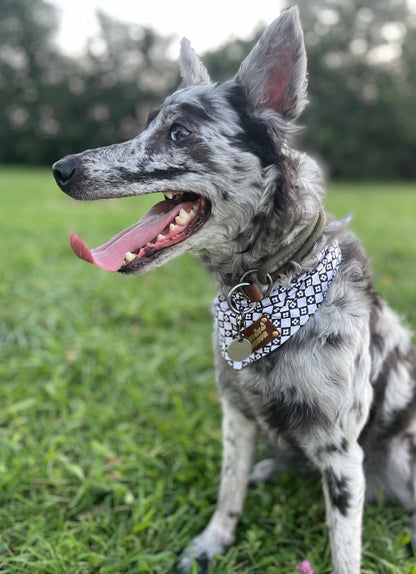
x: 63, y: 171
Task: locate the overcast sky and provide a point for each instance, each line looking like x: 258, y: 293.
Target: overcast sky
x: 206, y: 25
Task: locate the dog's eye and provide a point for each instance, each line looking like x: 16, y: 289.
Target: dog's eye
x: 178, y: 133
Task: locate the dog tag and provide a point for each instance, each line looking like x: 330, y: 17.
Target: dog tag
x: 239, y: 349
x: 260, y: 333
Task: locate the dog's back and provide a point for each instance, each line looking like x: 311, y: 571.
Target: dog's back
x: 389, y: 438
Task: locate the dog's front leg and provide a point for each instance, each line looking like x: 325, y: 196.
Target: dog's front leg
x: 239, y: 438
x: 344, y: 486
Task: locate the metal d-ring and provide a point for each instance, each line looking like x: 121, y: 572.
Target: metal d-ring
x: 254, y: 271
x: 231, y: 305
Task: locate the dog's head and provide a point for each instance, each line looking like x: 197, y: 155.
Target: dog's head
x: 218, y: 153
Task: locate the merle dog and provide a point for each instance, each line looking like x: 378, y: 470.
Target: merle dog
x: 305, y: 350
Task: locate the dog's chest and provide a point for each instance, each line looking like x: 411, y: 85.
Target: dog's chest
x: 285, y: 394
x: 302, y: 387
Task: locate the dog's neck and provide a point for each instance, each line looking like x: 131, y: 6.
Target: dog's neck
x: 294, y: 252
x: 276, y: 264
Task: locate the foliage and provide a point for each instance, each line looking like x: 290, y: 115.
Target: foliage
x: 362, y: 72
x: 361, y: 56
x: 29, y: 78
x: 109, y: 421
x: 53, y: 104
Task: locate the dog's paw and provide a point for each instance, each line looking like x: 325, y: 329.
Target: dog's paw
x: 211, y: 542
x: 185, y: 564
x: 264, y: 471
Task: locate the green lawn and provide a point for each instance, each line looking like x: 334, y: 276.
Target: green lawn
x: 110, y: 441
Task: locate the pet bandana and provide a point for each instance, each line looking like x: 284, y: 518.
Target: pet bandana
x: 286, y: 309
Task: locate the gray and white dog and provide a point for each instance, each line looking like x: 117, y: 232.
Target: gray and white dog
x: 305, y: 350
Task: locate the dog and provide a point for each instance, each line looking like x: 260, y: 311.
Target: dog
x: 305, y: 350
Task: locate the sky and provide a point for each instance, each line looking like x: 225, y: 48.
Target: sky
x: 207, y: 25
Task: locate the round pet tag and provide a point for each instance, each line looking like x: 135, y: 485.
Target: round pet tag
x: 239, y: 349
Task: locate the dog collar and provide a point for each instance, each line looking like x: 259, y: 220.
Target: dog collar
x: 269, y: 323
x: 281, y: 262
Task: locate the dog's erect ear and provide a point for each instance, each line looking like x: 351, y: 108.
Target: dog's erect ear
x: 274, y: 73
x: 193, y: 71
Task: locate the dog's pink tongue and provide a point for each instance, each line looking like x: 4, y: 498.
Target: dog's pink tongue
x: 110, y: 256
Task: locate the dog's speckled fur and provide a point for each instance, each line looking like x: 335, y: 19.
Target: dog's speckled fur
x: 342, y: 391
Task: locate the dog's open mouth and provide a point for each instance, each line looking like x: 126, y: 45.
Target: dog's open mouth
x: 167, y: 223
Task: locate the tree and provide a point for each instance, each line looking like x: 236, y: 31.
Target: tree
x: 53, y: 105
x: 362, y: 73
x: 224, y: 61
x: 29, y: 64
x: 361, y: 86
x: 124, y: 73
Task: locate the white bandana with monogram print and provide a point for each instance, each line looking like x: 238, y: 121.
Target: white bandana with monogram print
x: 288, y: 309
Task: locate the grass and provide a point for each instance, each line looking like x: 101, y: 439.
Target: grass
x: 110, y: 443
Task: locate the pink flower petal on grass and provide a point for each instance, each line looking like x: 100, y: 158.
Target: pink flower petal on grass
x: 304, y: 568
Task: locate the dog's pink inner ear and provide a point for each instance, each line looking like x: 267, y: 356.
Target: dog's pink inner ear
x: 274, y: 73
x: 277, y: 92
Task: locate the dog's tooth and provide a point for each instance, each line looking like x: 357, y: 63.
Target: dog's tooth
x: 129, y: 256
x: 172, y: 194
x: 172, y: 227
x: 183, y: 217
x: 160, y: 237
x: 195, y: 207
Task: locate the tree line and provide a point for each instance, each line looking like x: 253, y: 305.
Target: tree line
x: 360, y: 121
